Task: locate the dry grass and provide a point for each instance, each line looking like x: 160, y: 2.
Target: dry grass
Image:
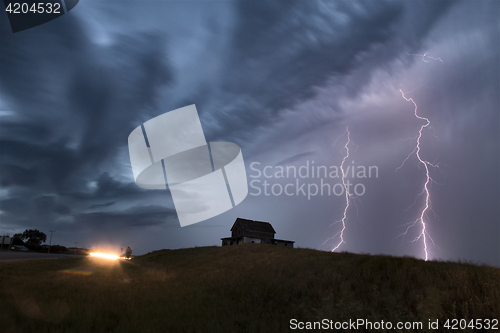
x: 254, y: 288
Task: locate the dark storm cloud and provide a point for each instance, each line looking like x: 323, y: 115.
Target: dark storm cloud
x: 46, y: 204
x: 132, y: 217
x: 107, y: 204
x: 14, y: 207
x: 52, y: 162
x: 282, y: 51
x: 74, y: 102
x: 295, y: 158
x: 39, y: 210
x: 24, y: 130
x: 97, y: 91
x: 16, y: 175
x: 112, y: 95
x: 107, y: 187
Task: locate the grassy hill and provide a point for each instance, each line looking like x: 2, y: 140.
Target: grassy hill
x: 247, y: 288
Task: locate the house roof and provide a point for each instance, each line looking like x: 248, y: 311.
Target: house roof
x: 249, y: 225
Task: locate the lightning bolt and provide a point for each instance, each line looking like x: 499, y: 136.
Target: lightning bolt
x: 346, y: 190
x: 424, y: 235
x: 423, y: 232
x: 424, y: 56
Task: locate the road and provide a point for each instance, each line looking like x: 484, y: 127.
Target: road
x: 6, y: 256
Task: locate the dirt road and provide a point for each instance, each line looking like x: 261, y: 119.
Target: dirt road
x: 6, y: 256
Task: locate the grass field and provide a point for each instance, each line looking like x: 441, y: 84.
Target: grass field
x: 247, y: 288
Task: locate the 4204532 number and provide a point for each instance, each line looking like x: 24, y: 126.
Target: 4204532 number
x: 455, y: 324
x: 39, y: 8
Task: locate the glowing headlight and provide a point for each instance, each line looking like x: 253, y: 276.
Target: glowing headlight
x: 104, y: 255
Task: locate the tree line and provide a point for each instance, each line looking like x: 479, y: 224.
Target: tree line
x: 33, y: 239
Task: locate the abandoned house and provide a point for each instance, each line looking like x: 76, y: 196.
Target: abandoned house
x: 247, y: 232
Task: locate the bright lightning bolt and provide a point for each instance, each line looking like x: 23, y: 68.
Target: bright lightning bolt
x: 424, y: 56
x: 423, y: 232
x: 423, y: 213
x: 346, y: 190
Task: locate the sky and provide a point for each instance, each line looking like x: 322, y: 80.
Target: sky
x: 281, y: 79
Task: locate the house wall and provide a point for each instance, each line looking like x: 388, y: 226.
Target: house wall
x: 283, y: 243
x: 251, y: 240
x: 255, y: 240
x: 238, y: 231
x: 227, y: 242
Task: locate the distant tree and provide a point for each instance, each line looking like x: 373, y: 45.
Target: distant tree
x: 17, y: 236
x: 58, y: 249
x: 128, y: 252
x: 33, y: 236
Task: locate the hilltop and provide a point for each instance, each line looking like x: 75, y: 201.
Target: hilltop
x: 244, y: 288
